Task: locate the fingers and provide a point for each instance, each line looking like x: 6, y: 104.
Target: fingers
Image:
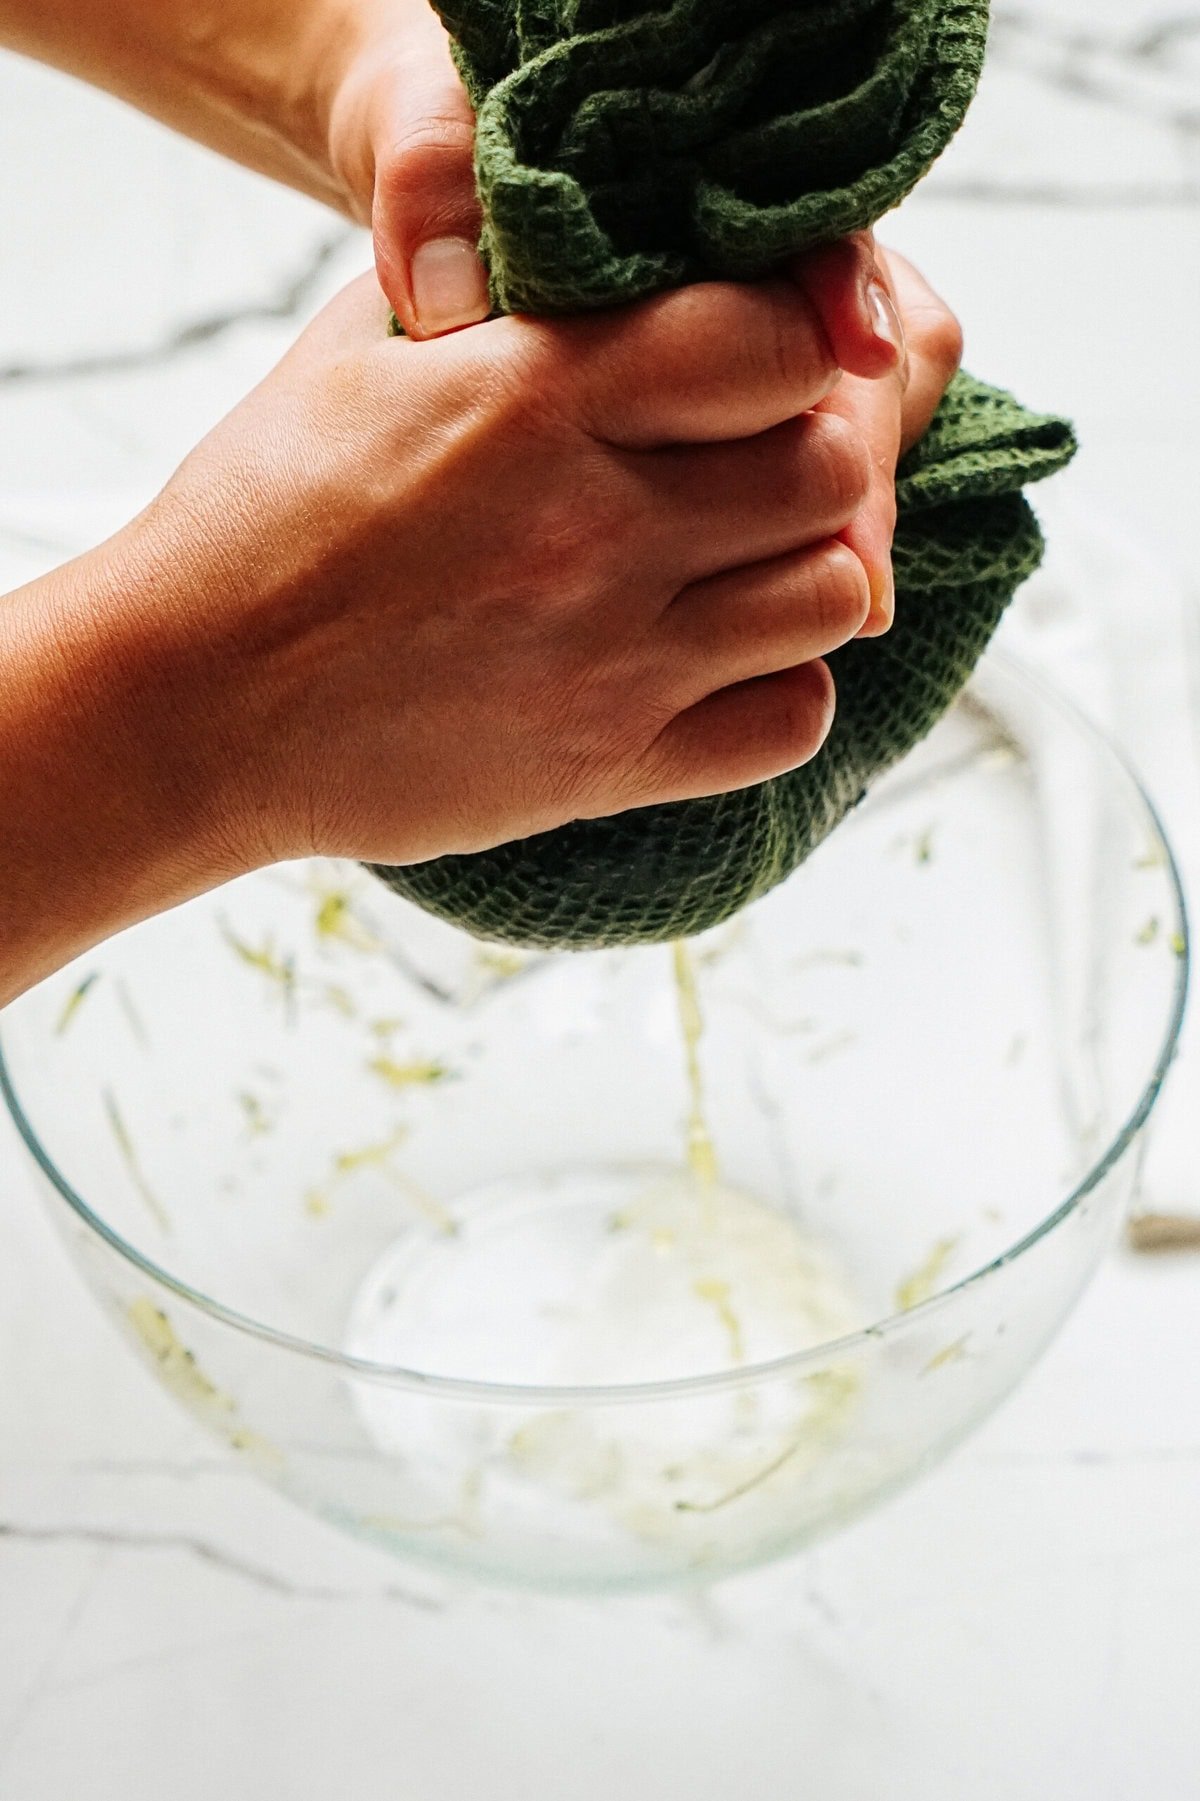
x: 717, y: 507
x: 849, y: 289
x: 936, y: 340
x: 744, y: 734
x: 873, y: 411
x: 718, y: 361
x: 702, y: 364
x: 892, y: 416
x: 772, y: 616
x: 425, y: 215
x: 680, y: 514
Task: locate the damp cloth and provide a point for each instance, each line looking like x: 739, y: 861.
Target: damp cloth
x: 624, y: 148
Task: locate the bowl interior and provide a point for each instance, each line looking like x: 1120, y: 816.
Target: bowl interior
x: 309, y: 1103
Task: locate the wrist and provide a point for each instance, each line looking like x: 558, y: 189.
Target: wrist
x: 256, y: 80
x: 114, y: 804
x: 305, y: 78
x: 277, y: 76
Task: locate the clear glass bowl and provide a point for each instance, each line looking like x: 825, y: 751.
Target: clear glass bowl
x: 445, y: 1241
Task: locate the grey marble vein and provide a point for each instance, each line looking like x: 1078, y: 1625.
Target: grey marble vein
x: 1165, y: 37
x: 41, y: 1679
x: 113, y: 1538
x: 1143, y: 73
x: 288, y: 302
x: 1112, y: 196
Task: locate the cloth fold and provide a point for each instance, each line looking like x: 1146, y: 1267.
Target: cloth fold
x: 624, y: 148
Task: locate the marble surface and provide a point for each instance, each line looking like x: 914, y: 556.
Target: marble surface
x: 1025, y: 1621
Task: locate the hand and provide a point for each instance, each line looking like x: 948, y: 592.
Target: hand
x: 401, y: 141
x: 401, y: 135
x: 547, y: 570
x: 416, y: 598
x: 419, y: 598
x: 893, y: 416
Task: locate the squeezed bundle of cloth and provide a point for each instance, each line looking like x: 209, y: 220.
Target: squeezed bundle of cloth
x: 626, y: 147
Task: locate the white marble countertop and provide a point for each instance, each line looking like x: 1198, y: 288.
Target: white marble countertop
x: 1027, y: 1620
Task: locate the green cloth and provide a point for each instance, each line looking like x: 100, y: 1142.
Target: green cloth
x: 622, y: 149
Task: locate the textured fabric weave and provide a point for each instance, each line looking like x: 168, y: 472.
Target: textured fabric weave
x: 622, y: 149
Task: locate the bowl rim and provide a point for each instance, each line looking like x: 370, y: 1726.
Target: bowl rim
x: 795, y: 1362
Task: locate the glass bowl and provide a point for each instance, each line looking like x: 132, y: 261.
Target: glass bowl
x: 617, y: 1269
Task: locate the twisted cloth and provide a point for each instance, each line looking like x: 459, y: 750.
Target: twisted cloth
x: 623, y: 148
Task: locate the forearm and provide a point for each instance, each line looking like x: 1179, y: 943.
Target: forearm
x: 109, y: 810
x: 253, y: 79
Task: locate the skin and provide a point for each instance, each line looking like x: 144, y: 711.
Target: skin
x: 424, y: 595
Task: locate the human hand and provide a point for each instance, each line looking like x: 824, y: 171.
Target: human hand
x: 416, y: 598
x: 401, y: 134
x: 428, y: 597
x: 401, y: 144
x: 892, y: 415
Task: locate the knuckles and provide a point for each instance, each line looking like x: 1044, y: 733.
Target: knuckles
x: 807, y: 711
x: 790, y: 725
x: 424, y: 186
x: 421, y: 148
x: 839, y: 592
x: 784, y: 343
x: 833, y: 462
x: 936, y: 334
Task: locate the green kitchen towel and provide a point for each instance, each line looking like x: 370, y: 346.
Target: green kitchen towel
x: 623, y: 148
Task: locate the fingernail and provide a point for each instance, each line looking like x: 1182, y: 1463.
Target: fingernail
x: 885, y: 322
x: 449, y: 286
x: 883, y: 604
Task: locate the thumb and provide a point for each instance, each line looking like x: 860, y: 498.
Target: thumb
x: 425, y: 213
